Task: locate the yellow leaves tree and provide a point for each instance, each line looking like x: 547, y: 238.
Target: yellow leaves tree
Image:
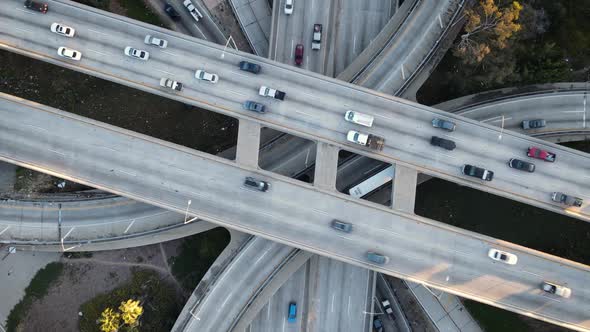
x: 488, y: 26
x: 109, y: 320
x: 130, y: 312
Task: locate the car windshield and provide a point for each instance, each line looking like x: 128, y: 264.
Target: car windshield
x: 503, y: 257
x: 356, y: 136
x: 350, y: 115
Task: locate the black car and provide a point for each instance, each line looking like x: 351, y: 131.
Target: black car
x: 477, y: 172
x: 174, y: 15
x: 254, y: 106
x: 38, y: 6
x: 521, y: 165
x: 250, y: 67
x: 256, y: 184
x: 443, y: 143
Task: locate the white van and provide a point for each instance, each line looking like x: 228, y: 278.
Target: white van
x: 359, y: 118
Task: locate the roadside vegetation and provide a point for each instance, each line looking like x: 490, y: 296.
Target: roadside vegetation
x: 510, y: 44
x: 135, y: 9
x: 159, y: 305
x: 36, y: 290
x: 534, y: 42
x: 197, y: 254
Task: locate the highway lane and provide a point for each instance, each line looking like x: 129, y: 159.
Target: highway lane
x: 420, y: 250
x: 205, y: 29
x: 348, y: 27
x: 564, y: 111
x: 227, y: 300
x: 290, y: 30
x: 313, y: 108
x: 409, y: 47
x: 330, y: 295
x: 273, y: 316
x: 356, y: 25
x: 341, y: 297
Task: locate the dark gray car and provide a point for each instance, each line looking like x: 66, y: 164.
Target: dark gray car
x: 256, y: 184
x: 341, y: 226
x: 174, y: 15
x: 521, y: 165
x: 533, y: 124
x: 443, y: 124
x: 249, y: 67
x: 377, y: 258
x: 254, y: 106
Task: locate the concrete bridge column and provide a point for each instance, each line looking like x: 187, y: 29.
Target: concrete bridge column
x: 248, y: 143
x: 326, y: 166
x: 404, y: 189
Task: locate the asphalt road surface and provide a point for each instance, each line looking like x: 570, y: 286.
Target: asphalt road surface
x: 313, y: 108
x: 291, y: 212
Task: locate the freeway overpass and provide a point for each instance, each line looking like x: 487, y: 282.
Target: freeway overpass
x: 421, y: 250
x: 313, y: 109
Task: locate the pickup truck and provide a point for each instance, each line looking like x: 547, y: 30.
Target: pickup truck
x: 170, y: 84
x: 553, y: 288
x: 568, y: 200
x: 387, y: 308
x: 369, y: 140
x: 272, y: 93
x: 195, y: 13
x: 477, y: 172
x: 317, y: 37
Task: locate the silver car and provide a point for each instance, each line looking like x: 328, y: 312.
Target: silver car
x: 151, y: 40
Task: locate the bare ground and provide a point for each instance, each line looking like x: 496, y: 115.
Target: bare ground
x: 85, y: 278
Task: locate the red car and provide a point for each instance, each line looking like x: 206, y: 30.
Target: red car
x: 38, y: 6
x: 535, y: 152
x: 298, y: 54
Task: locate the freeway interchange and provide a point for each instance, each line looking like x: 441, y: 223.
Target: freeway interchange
x: 313, y: 109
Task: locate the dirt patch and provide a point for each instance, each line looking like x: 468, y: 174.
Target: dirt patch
x: 224, y: 17
x: 414, y: 312
x: 28, y: 183
x: 116, y: 8
x: 86, y: 277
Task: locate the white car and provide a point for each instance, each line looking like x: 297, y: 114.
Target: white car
x: 69, y: 53
x: 553, y: 288
x: 502, y: 256
x: 288, y: 7
x: 359, y: 118
x: 62, y: 30
x: 205, y: 76
x: 196, y: 14
x: 151, y: 40
x: 135, y: 53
